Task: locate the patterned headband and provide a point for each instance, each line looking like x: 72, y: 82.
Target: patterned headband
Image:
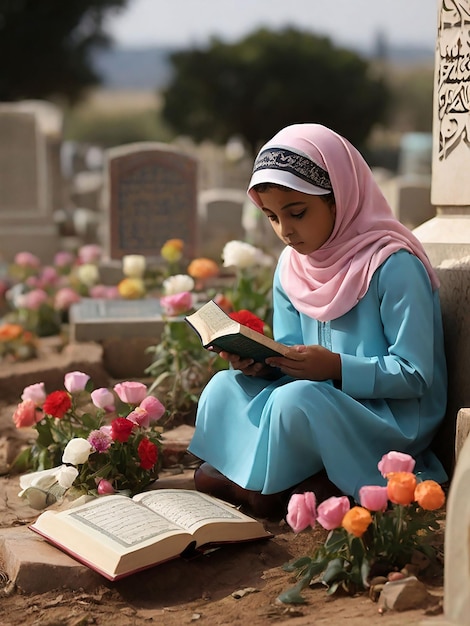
x: 294, y: 163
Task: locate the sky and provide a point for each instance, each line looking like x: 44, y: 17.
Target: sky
x: 355, y: 23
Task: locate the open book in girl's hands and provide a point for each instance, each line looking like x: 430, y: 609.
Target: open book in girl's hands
x: 118, y: 536
x: 218, y: 332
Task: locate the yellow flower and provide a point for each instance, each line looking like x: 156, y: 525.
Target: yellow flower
x: 131, y: 288
x: 357, y: 520
x: 172, y: 250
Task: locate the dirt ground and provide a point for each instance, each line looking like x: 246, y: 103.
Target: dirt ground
x: 236, y: 584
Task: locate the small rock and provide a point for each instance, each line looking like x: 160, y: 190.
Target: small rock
x: 404, y: 595
x: 243, y: 592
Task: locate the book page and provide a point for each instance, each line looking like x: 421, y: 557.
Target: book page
x: 210, y: 320
x: 189, y: 509
x: 123, y: 521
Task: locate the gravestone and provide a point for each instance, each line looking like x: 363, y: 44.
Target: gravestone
x: 124, y: 328
x: 28, y: 134
x: 220, y: 214
x: 150, y: 197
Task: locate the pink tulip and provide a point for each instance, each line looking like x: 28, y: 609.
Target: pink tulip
x: 396, y: 462
x: 26, y: 414
x: 36, y: 393
x: 177, y: 303
x: 103, y: 399
x: 75, y: 381
x: 330, y: 512
x: 301, y: 511
x: 373, y: 497
x: 140, y: 417
x: 105, y: 488
x: 154, y: 408
x: 131, y: 392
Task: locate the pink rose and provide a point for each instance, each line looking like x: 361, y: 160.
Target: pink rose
x: 26, y: 259
x: 36, y: 393
x: 154, y: 408
x: 373, y: 497
x: 75, y: 381
x: 177, y: 303
x: 103, y: 399
x: 26, y: 414
x: 330, y: 512
x: 301, y: 511
x: 396, y: 462
x: 64, y: 298
x: 131, y: 392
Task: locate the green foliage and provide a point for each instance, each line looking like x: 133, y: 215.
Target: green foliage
x: 269, y: 80
x: 181, y: 368
x: 45, y: 46
x: 113, y: 129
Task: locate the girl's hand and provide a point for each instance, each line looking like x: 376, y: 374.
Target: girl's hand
x: 249, y: 367
x: 309, y: 363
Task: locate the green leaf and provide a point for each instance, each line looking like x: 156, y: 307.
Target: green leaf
x: 297, y: 564
x: 334, y: 570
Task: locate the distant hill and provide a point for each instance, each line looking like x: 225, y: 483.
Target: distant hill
x: 149, y: 69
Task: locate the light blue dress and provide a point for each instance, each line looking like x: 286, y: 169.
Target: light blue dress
x: 270, y: 435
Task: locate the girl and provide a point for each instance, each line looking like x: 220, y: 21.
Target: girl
x: 357, y: 300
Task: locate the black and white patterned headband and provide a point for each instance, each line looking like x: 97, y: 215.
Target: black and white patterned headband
x: 296, y: 164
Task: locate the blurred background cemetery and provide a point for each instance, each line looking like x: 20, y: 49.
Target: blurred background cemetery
x: 111, y: 148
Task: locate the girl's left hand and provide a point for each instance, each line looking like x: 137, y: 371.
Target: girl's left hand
x: 309, y: 363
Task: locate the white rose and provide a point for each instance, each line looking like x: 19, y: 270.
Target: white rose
x: 88, y: 274
x: 133, y: 265
x: 177, y: 284
x: 66, y: 475
x: 76, y: 451
x: 241, y: 254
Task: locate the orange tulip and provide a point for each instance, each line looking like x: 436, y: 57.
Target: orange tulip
x: 401, y: 487
x: 357, y: 520
x: 429, y: 495
x: 203, y: 268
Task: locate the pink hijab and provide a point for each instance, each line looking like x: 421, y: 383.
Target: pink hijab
x: 330, y: 282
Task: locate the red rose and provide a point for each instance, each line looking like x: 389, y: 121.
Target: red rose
x: 147, y: 452
x: 121, y: 429
x: 57, y: 404
x: 246, y: 318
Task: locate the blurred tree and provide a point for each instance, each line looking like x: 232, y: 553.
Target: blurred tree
x: 45, y: 46
x: 269, y: 80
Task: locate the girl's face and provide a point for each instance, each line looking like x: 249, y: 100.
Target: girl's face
x: 300, y: 220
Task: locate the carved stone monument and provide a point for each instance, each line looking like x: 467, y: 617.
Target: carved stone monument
x: 151, y: 196
x: 447, y: 236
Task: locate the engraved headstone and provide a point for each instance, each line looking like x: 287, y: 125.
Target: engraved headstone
x: 151, y: 197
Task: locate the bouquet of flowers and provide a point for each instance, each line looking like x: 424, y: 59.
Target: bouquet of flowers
x: 17, y: 343
x: 89, y: 441
x: 382, y: 534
